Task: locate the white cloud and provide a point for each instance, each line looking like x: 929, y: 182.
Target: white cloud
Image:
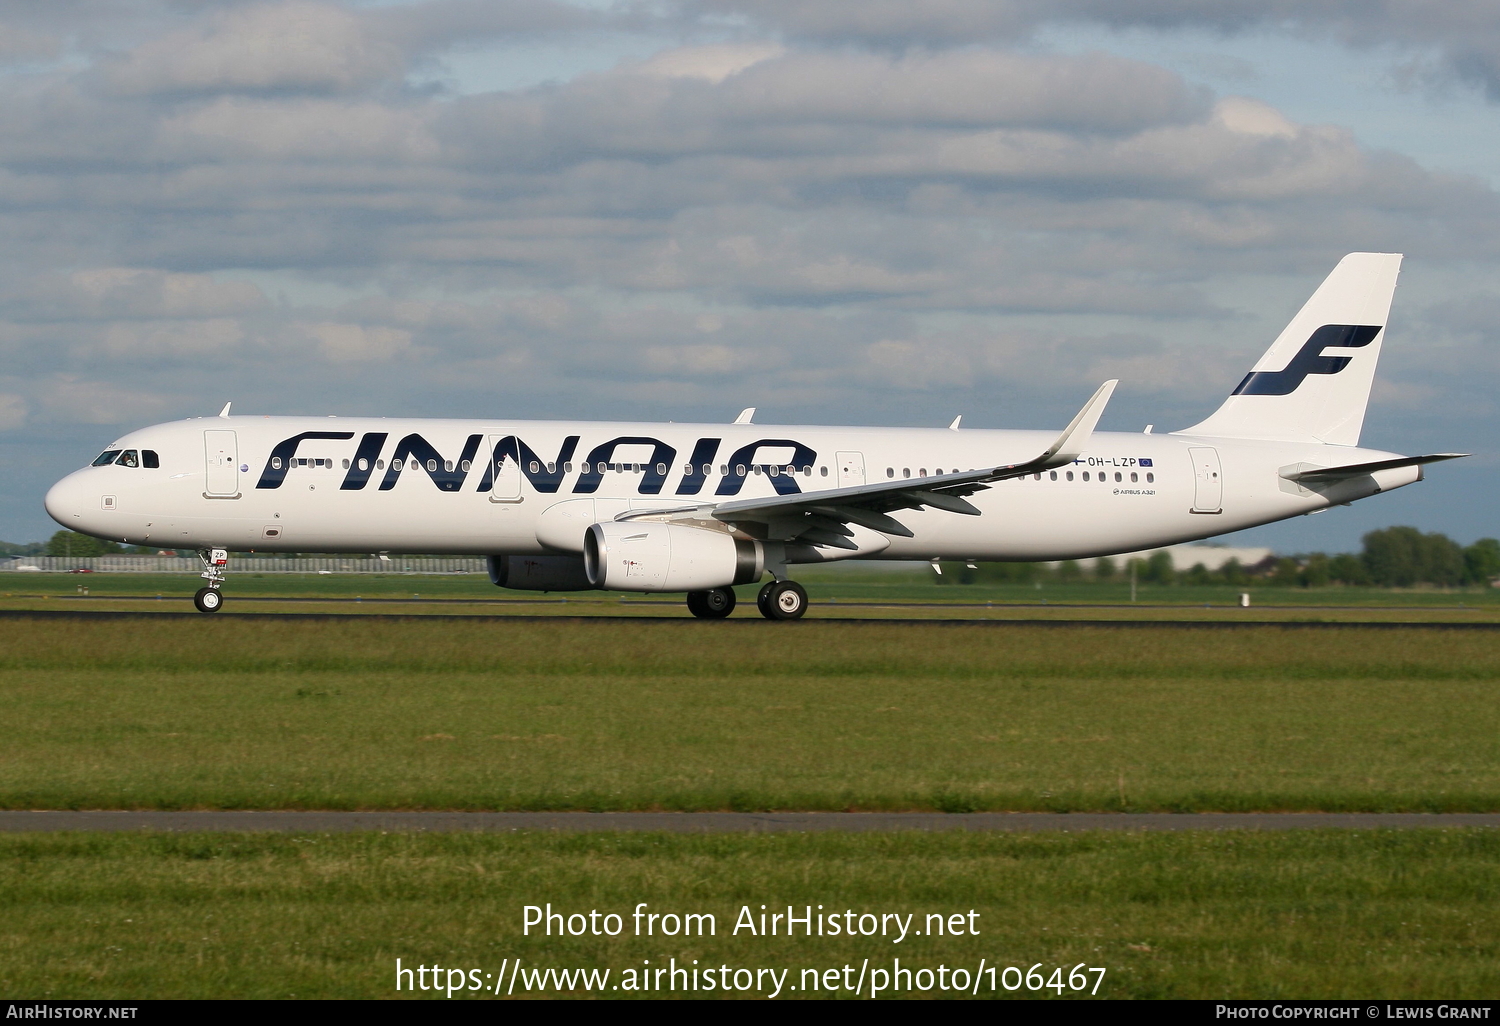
x: 178, y: 340
x: 291, y: 45
x: 347, y: 343
x: 71, y: 399
x: 712, y: 63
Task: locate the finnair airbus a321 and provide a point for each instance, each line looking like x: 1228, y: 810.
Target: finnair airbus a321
x: 699, y: 508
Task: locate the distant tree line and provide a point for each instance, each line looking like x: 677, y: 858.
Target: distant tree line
x: 71, y: 544
x: 1395, y: 557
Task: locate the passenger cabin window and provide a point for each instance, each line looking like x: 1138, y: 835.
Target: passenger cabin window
x: 1150, y: 477
x: 130, y: 458
x: 890, y: 471
x: 149, y: 459
x: 1054, y: 475
x: 1085, y: 475
x: 106, y: 457
x: 1117, y: 477
x: 1070, y: 475
x: 1134, y: 477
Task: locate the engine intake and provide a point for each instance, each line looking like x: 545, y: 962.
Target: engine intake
x: 653, y: 556
x: 539, y: 573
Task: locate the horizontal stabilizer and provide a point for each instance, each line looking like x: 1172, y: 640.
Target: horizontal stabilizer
x: 1329, y: 474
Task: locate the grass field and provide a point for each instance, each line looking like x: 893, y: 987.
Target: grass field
x: 268, y: 712
x: 573, y: 714
x: 1248, y: 915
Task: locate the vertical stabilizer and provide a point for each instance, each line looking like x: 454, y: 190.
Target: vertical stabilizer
x: 1313, y: 384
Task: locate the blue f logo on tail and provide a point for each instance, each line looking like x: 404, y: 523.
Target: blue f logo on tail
x: 1310, y: 359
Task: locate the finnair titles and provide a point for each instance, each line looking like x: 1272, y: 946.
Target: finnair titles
x: 695, y: 508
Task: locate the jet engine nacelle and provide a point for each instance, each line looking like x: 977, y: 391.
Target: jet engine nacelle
x: 539, y: 573
x: 624, y: 555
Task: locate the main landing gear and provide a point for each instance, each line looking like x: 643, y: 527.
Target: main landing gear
x: 782, y: 600
x: 714, y: 604
x: 215, y: 567
x: 778, y: 600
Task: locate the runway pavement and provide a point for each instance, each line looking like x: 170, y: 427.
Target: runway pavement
x: 721, y: 822
x: 1373, y: 625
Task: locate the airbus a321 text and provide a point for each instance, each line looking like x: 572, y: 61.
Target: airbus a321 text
x: 699, y: 508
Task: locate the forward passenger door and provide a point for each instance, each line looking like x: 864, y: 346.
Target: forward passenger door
x: 221, y: 456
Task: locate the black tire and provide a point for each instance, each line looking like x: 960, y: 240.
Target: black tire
x: 208, y: 600
x: 783, y: 600
x: 714, y: 604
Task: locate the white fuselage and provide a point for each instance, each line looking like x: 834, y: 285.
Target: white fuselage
x: 250, y: 483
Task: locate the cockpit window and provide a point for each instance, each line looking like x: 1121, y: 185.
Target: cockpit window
x: 149, y: 459
x: 130, y: 458
x: 106, y: 457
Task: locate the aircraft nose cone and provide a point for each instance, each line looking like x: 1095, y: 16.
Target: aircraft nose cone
x: 65, y: 501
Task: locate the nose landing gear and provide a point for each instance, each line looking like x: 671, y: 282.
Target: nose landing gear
x: 782, y: 600
x: 215, y: 567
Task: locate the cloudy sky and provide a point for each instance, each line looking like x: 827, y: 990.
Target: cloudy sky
x: 867, y: 211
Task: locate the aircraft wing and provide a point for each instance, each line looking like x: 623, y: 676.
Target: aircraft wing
x: 820, y: 517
